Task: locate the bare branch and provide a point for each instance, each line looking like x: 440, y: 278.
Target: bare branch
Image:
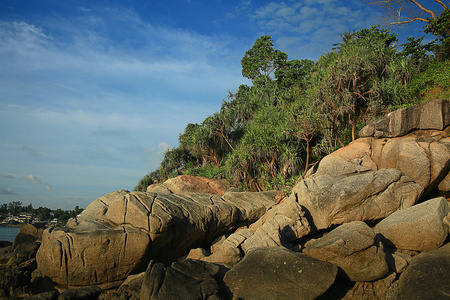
x: 441, y: 3
x: 424, y: 9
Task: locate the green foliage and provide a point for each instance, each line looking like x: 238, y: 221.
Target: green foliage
x: 208, y: 171
x: 268, y: 134
x: 440, y: 27
x: 15, y: 208
x: 293, y: 73
x: 261, y: 59
x: 147, y: 180
x: 432, y: 83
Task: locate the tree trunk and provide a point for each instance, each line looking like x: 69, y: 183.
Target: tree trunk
x: 307, y: 155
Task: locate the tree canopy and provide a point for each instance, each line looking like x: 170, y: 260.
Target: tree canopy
x: 268, y: 134
x: 262, y: 58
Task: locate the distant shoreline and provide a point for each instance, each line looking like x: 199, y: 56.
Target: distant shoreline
x: 10, y: 225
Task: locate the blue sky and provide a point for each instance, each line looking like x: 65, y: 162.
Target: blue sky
x: 93, y: 92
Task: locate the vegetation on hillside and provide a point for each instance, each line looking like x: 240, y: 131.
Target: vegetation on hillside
x: 41, y: 215
x: 268, y: 134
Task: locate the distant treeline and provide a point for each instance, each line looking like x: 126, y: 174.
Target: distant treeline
x: 297, y: 111
x: 16, y: 208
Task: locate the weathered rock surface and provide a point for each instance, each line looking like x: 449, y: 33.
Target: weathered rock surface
x: 277, y: 273
x: 186, y: 279
x: 422, y: 156
x: 186, y: 184
x: 351, y: 247
x: 81, y: 258
x: 419, y: 228
x: 427, y: 277
x: 376, y: 290
x: 122, y: 231
x: 434, y: 114
x: 281, y: 225
x: 381, y: 176
x: 373, y: 195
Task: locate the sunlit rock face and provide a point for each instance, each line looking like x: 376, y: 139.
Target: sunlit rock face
x: 121, y: 232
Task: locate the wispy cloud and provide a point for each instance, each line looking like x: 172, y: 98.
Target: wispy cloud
x: 309, y: 28
x: 7, y: 176
x: 32, y: 152
x: 34, y: 180
x: 7, y: 192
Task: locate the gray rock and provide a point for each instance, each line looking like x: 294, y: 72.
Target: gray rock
x: 281, y: 225
x: 433, y: 114
x: 186, y: 279
x: 277, y: 273
x: 333, y: 200
x: 351, y: 247
x: 419, y: 228
x: 229, y: 251
x: 427, y: 277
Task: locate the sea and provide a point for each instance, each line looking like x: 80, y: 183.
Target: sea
x: 8, y: 233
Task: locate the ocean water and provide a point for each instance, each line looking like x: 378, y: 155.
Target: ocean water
x: 8, y: 233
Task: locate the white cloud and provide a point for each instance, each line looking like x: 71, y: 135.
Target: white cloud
x: 317, y: 23
x: 32, y: 178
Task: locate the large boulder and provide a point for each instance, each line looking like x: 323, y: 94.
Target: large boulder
x: 351, y: 247
x: 121, y: 232
x: 417, y: 228
x: 186, y: 184
x: 423, y: 156
x: 433, y: 114
x: 427, y: 277
x: 277, y: 273
x: 372, y: 195
x: 97, y: 256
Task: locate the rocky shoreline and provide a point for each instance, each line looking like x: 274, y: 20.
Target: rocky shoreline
x: 370, y: 221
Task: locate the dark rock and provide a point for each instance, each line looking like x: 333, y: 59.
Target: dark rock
x: 50, y: 295
x: 4, y: 244
x: 86, y: 293
x: 186, y: 279
x: 15, y: 280
x: 427, y: 277
x: 277, y: 273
